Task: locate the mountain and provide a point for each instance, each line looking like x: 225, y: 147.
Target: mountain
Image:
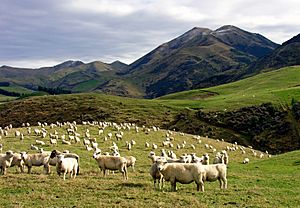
x: 288, y: 54
x: 198, y: 55
x: 199, y: 58
x: 71, y: 75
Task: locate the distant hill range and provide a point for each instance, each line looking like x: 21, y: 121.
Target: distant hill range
x: 199, y: 58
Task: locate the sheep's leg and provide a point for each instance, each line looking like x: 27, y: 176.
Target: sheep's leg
x: 224, y: 183
x: 173, y: 185
x: 4, y: 171
x: 65, y: 175
x: 125, y: 173
x: 133, y: 168
x: 154, y: 183
x: 104, y: 171
x: 29, y: 169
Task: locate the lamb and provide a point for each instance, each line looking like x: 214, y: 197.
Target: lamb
x: 38, y: 159
x: 153, y: 157
x: 66, y: 165
x: 156, y: 175
x: 111, y: 163
x: 184, y: 173
x: 5, y: 161
x: 130, y: 161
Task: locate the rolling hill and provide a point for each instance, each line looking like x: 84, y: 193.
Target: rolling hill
x: 266, y: 182
x: 236, y: 111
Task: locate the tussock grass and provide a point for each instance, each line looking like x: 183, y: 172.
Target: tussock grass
x: 267, y: 182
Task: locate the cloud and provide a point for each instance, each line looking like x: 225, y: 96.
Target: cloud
x: 37, y: 33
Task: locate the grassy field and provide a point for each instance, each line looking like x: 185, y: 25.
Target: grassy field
x: 17, y: 89
x: 278, y: 87
x: 4, y: 98
x: 267, y: 182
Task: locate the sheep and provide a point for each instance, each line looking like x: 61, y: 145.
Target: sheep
x: 156, y: 175
x: 111, y: 163
x: 153, y: 157
x: 39, y: 142
x: 187, y: 173
x: 215, y: 172
x: 147, y: 145
x: 154, y: 146
x: 66, y: 165
x: 66, y: 142
x: 66, y: 153
x: 184, y: 173
x: 5, y: 161
x: 246, y: 160
x: 53, y: 142
x: 32, y: 147
x: 205, y: 159
x: 38, y: 159
x: 130, y: 161
x: 17, y: 161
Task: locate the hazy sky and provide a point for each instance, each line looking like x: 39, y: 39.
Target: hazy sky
x: 36, y: 33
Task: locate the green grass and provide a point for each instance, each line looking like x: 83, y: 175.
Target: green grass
x: 4, y: 98
x: 17, y: 89
x: 278, y: 87
x: 267, y: 182
x: 86, y: 86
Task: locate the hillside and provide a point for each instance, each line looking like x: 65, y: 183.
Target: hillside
x: 234, y: 112
x: 288, y: 54
x: 265, y: 182
x: 189, y: 60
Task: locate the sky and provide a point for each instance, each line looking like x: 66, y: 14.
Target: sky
x: 36, y: 33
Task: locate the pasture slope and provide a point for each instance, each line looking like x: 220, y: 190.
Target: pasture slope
x: 278, y: 87
x: 267, y: 182
x: 232, y: 111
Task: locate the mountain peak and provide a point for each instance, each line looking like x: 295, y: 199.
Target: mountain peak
x: 295, y: 39
x: 69, y: 63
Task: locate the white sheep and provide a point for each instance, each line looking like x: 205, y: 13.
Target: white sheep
x: 130, y: 161
x: 156, y: 175
x: 111, y: 163
x: 183, y: 173
x: 215, y: 172
x: 39, y: 142
x: 246, y: 160
x: 17, y: 161
x: 66, y: 165
x: 5, y: 161
x: 38, y: 159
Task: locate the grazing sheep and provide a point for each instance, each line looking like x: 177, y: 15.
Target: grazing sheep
x: 17, y: 161
x: 111, y: 163
x: 147, y: 145
x: 32, y: 147
x: 38, y: 159
x: 183, y: 173
x: 66, y: 165
x: 156, y: 175
x: 39, y: 142
x: 5, y: 161
x: 66, y: 142
x: 246, y: 160
x: 53, y: 141
x: 215, y: 172
x: 153, y: 157
x: 130, y: 161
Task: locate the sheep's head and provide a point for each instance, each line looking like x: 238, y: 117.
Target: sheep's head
x: 160, y: 163
x: 24, y: 155
x: 151, y: 154
x: 96, y: 155
x: 53, y: 154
